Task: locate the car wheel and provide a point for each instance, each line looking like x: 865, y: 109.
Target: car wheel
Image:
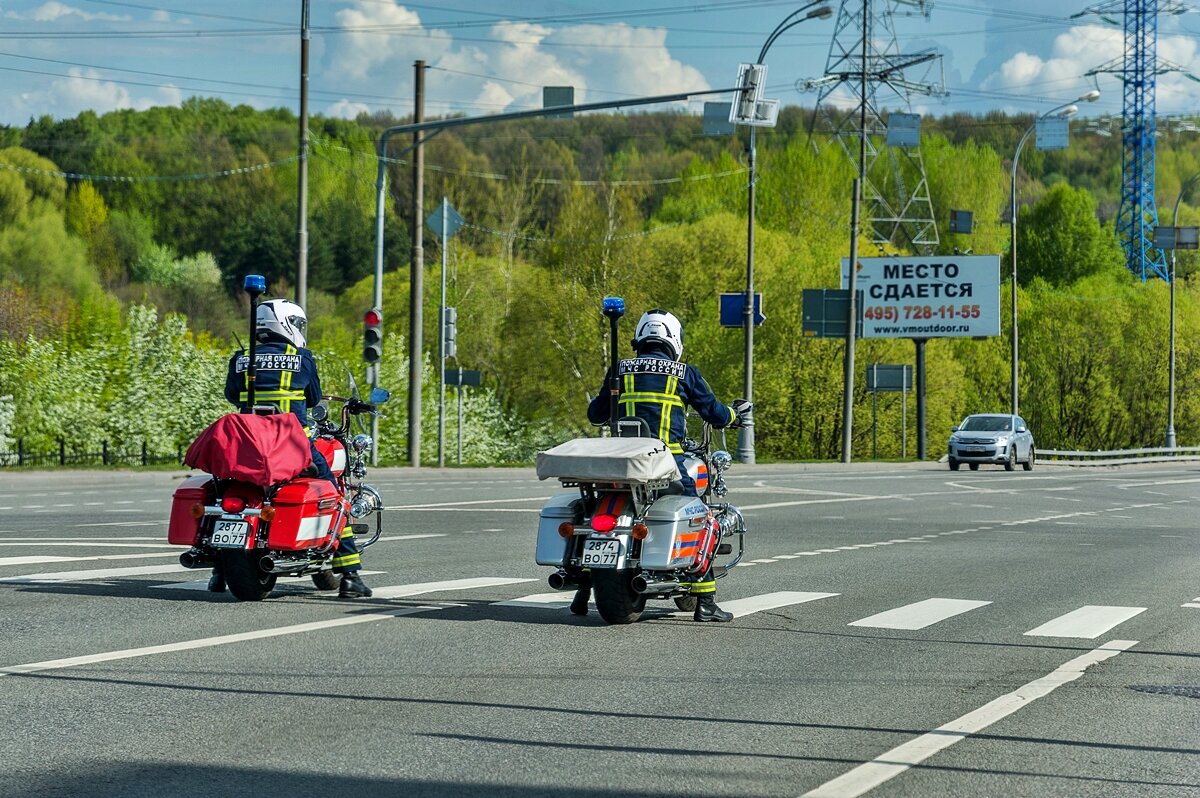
x: 1028, y: 464
x: 973, y: 466
x: 1011, y: 463
x: 953, y: 464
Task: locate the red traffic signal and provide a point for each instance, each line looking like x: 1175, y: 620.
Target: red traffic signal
x: 372, y: 335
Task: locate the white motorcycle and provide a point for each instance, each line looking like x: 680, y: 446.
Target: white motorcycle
x: 626, y: 528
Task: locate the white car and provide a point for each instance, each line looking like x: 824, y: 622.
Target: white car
x: 999, y: 438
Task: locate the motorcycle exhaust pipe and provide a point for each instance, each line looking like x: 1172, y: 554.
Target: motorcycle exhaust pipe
x: 642, y: 584
x: 274, y: 566
x: 561, y: 580
x: 195, y: 559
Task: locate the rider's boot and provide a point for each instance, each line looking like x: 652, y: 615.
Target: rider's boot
x: 216, y: 582
x: 707, y: 609
x: 579, y: 604
x: 353, y: 587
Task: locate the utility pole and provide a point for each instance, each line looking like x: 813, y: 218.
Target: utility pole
x: 302, y: 213
x: 416, y: 280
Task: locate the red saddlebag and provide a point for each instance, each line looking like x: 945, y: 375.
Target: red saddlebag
x: 261, y: 450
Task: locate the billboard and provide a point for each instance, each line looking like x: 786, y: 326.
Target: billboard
x: 936, y: 296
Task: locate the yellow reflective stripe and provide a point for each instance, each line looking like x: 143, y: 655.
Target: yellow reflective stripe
x: 347, y: 533
x: 704, y: 587
x: 676, y: 448
x: 648, y: 396
x: 349, y: 559
x: 285, y: 381
x: 273, y: 396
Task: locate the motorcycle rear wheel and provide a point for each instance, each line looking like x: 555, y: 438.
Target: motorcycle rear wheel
x: 246, y: 581
x: 614, y: 596
x: 687, y: 603
x: 327, y: 580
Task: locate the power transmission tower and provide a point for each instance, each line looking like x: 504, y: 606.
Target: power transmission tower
x: 1137, y: 68
x: 897, y: 206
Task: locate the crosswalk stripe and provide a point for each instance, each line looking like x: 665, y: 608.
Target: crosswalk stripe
x: 1089, y: 621
x: 33, y: 560
x: 549, y: 600
x: 202, y: 584
x: 400, y: 591
x: 103, y: 573
x: 920, y: 614
x: 770, y: 601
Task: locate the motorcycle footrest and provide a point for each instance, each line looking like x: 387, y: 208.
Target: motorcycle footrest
x: 725, y: 548
x: 360, y: 529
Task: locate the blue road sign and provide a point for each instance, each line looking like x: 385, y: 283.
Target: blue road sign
x: 733, y: 310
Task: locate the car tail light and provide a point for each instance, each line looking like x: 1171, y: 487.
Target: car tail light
x: 639, y: 531
x: 604, y: 523
x: 566, y: 529
x: 233, y: 504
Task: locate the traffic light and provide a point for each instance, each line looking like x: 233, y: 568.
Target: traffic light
x: 372, y: 335
x: 451, y: 332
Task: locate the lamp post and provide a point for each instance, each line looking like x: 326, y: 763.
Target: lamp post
x: 745, y: 448
x: 1066, y: 109
x: 1170, y: 442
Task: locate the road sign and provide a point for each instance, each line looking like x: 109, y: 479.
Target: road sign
x: 826, y: 311
x: 733, y: 310
x: 884, y: 377
x: 453, y: 221
x: 464, y: 377
x: 946, y: 296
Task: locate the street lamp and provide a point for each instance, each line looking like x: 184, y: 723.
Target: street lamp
x: 745, y: 448
x: 1066, y: 109
x: 1170, y: 442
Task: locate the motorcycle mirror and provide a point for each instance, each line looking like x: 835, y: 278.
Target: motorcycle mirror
x: 379, y: 396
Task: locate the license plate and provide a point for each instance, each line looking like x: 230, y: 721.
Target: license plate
x: 229, y: 534
x: 601, y: 553
x: 972, y: 450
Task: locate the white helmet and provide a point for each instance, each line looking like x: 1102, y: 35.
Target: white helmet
x: 659, y: 325
x: 283, y: 319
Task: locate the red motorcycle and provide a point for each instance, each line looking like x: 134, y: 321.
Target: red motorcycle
x: 259, y: 527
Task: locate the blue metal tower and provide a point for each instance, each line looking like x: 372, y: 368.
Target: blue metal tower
x: 1137, y: 69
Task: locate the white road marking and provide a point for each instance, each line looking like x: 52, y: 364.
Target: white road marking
x: 83, y: 576
x: 123, y: 523
x: 1191, y: 604
x: 920, y: 614
x: 463, y: 504
x: 400, y: 591
x: 768, y: 601
x: 888, y: 765
x: 202, y: 584
x: 551, y: 600
x: 208, y: 642
x: 96, y: 544
x: 33, y: 560
x: 1089, y: 622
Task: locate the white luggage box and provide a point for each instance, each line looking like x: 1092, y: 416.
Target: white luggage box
x: 628, y: 460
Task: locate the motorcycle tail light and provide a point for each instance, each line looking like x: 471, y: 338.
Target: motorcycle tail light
x: 233, y: 504
x: 197, y: 510
x: 639, y: 531
x: 604, y: 523
x: 566, y: 529
x: 267, y: 513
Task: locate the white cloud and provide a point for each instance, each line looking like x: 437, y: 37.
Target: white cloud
x: 54, y: 11
x: 346, y: 109
x: 508, y: 71
x: 1061, y: 73
x: 85, y: 90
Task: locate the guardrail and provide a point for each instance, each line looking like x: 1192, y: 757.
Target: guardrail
x: 1116, y: 456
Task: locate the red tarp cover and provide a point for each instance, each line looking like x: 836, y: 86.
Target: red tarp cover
x: 261, y: 450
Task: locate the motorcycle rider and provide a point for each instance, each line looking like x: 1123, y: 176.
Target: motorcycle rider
x: 657, y: 387
x: 286, y: 377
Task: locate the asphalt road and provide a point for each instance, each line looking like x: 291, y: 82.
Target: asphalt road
x: 902, y: 631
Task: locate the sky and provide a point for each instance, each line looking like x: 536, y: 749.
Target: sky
x: 60, y: 57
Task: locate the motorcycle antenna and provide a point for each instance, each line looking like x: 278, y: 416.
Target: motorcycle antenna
x: 614, y: 308
x: 254, y: 285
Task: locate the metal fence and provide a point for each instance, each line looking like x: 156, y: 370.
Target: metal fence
x: 107, y: 456
x: 1117, y: 456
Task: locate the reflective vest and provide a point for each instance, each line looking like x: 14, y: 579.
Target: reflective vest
x: 284, y: 376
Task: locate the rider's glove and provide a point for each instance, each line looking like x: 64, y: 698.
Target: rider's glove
x: 741, y: 411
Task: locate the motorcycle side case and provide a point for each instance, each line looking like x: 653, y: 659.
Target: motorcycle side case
x: 304, y: 511
x: 551, y: 547
x: 184, y: 530
x: 679, y: 530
